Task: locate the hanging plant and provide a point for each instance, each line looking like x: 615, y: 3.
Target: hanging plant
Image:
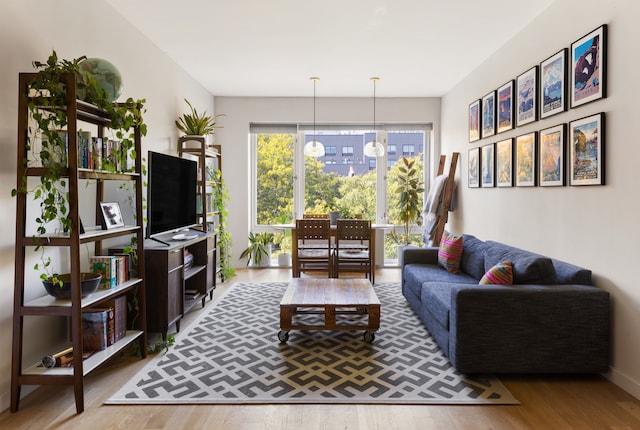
x: 47, y: 109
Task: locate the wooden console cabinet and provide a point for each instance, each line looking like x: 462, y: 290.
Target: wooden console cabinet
x: 175, y: 284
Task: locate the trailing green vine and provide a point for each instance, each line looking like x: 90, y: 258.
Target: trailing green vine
x: 220, y: 200
x: 48, y: 122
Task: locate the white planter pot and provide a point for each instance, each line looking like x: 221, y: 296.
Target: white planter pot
x: 284, y: 259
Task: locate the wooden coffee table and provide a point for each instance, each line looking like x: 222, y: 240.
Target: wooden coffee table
x: 332, y: 298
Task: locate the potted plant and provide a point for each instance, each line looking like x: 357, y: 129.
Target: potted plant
x: 409, y: 188
x: 197, y: 124
x: 47, y: 112
x: 258, y: 253
x: 283, y: 240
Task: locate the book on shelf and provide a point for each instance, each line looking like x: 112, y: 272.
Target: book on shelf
x: 106, y: 266
x: 119, y: 305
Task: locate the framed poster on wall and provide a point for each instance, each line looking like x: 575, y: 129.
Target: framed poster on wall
x: 589, y: 67
x: 586, y: 136
x: 489, y: 114
x: 474, y: 121
x: 552, y: 160
x: 553, y: 84
x: 527, y: 97
x: 505, y: 107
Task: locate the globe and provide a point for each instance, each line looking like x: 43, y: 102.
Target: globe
x: 106, y: 74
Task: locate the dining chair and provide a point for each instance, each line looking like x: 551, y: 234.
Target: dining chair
x: 313, y: 244
x: 353, y: 248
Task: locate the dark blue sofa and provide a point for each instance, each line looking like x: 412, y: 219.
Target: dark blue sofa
x: 552, y: 320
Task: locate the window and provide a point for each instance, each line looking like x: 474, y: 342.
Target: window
x: 408, y: 150
x: 286, y: 184
x: 347, y: 150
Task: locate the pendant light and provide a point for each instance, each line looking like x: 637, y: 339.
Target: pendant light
x: 374, y: 148
x: 314, y: 148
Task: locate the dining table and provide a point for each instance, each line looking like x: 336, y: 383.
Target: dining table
x: 294, y: 240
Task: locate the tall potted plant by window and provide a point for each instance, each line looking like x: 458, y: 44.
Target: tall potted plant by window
x: 410, y: 186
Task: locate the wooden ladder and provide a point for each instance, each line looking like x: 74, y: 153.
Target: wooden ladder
x: 448, y: 191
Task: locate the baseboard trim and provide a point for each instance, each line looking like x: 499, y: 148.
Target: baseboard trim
x: 625, y: 382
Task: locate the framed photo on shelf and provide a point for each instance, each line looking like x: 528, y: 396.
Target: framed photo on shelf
x: 553, y: 84
x: 527, y: 97
x: 474, y: 121
x: 487, y: 165
x: 474, y: 168
x: 504, y: 163
x: 505, y: 107
x: 589, y: 66
x: 111, y: 215
x: 526, y: 160
x: 488, y: 121
x: 587, y: 150
x: 552, y: 160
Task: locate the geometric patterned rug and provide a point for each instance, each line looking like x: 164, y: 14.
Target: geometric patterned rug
x: 231, y: 355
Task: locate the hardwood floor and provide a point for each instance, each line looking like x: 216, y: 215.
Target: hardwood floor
x: 547, y: 402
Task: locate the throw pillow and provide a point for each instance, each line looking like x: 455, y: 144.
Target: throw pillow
x: 450, y: 252
x: 501, y: 273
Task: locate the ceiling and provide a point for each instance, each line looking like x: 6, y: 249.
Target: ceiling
x: 418, y: 48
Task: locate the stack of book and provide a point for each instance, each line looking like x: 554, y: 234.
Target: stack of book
x: 98, y: 152
x: 113, y: 268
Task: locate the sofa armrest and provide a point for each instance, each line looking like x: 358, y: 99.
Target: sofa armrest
x: 412, y: 255
x: 529, y: 328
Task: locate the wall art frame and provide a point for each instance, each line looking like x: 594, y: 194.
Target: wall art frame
x: 589, y: 67
x: 473, y: 171
x: 526, y: 110
x: 551, y: 167
x: 553, y: 84
x: 587, y: 145
x: 488, y: 115
x: 474, y: 121
x: 504, y: 163
x: 525, y: 170
x: 487, y: 165
x: 504, y: 115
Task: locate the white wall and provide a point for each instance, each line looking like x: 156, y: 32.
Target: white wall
x: 595, y: 226
x: 30, y: 30
x: 241, y: 111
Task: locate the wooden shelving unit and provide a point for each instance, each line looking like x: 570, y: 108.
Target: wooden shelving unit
x: 209, y: 158
x: 23, y: 373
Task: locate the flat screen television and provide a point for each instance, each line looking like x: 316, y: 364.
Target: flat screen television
x: 171, y: 193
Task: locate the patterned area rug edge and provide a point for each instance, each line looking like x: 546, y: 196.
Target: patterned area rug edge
x: 230, y: 355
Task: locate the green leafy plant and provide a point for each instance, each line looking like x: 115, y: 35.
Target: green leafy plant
x: 409, y: 188
x: 220, y: 200
x: 161, y: 344
x: 259, y: 247
x: 196, y: 124
x: 48, y: 121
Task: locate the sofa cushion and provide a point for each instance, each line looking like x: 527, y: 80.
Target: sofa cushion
x: 501, y: 273
x: 438, y: 297
x: 528, y: 268
x: 450, y: 252
x: 473, y: 256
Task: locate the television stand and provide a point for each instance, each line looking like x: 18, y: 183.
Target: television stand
x: 176, y: 286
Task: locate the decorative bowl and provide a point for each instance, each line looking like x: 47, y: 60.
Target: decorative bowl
x: 88, y: 281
